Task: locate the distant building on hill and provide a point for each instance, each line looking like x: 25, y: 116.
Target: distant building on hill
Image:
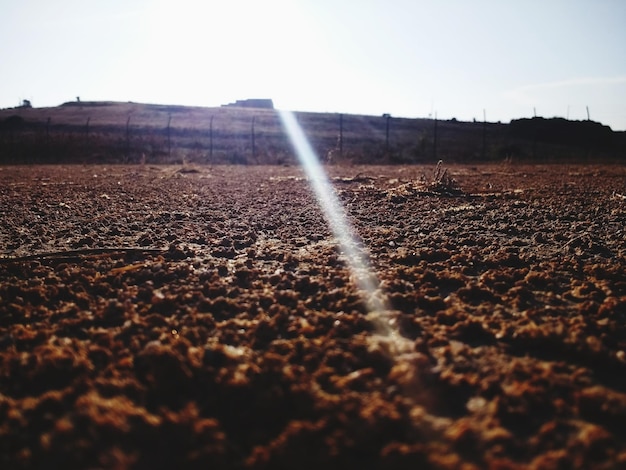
x: 252, y: 103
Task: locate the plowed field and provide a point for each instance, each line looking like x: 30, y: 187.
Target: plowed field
x: 204, y: 317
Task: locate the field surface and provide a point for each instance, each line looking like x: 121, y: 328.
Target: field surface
x: 205, y: 317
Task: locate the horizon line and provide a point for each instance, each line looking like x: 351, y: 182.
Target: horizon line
x: 278, y: 109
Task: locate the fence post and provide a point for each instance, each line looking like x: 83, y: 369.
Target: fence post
x: 253, y: 140
x: 127, y: 152
x: 169, y: 137
x: 388, y: 119
x: 87, y: 137
x: 211, y: 140
x: 535, y: 133
x: 435, y: 139
x: 47, y: 146
x: 484, y: 134
x: 341, y: 136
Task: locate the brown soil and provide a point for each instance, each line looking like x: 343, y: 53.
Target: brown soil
x: 204, y: 318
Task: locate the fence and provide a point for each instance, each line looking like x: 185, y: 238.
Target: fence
x: 255, y: 136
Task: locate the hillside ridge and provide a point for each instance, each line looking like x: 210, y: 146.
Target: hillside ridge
x: 110, y: 131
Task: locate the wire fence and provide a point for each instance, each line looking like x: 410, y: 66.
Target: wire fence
x: 256, y: 136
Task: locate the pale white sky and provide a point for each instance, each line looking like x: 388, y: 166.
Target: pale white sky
x: 409, y: 58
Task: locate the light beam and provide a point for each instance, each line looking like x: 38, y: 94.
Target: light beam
x: 357, y: 261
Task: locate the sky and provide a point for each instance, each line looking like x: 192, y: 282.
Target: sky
x: 463, y: 59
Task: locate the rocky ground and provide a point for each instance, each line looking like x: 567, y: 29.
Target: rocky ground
x: 189, y: 317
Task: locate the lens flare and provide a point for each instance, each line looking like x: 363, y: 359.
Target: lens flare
x: 357, y: 261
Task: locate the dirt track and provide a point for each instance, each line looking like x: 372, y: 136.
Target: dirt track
x: 159, y: 317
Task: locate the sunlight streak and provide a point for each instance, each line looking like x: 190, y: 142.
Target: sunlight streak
x: 365, y: 278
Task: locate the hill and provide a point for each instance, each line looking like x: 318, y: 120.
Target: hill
x: 114, y: 132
